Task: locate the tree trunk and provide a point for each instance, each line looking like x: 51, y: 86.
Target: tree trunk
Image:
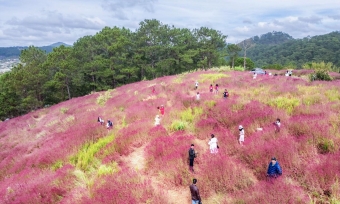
x: 232, y: 63
x: 68, y: 91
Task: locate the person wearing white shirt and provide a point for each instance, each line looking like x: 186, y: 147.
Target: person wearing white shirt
x: 241, y: 139
x: 157, y: 120
x: 213, y: 144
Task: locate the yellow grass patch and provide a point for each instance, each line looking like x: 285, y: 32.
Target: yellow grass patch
x: 212, y: 78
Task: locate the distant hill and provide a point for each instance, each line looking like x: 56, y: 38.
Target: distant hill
x: 281, y: 48
x: 15, y: 51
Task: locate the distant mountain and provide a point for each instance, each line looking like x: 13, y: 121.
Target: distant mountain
x: 15, y: 51
x: 270, y: 38
x: 281, y: 48
x: 57, y: 44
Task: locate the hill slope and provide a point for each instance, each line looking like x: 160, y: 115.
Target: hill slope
x: 61, y: 154
x: 282, y: 49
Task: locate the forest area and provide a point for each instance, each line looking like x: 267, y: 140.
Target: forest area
x: 278, y: 49
x: 109, y: 59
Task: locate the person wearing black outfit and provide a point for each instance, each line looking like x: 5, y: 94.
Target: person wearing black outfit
x: 195, y: 194
x: 192, y: 156
x: 225, y: 94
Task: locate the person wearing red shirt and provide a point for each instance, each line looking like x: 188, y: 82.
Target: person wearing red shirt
x: 161, y: 109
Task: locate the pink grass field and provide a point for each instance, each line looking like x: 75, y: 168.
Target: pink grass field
x: 142, y: 163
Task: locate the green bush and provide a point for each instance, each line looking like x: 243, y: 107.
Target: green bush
x: 178, y: 125
x: 102, y: 98
x: 320, y: 75
x: 239, y: 68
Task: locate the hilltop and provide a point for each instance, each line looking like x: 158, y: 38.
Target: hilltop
x: 60, y: 154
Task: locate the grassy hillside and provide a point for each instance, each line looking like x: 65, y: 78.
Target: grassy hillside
x: 61, y: 154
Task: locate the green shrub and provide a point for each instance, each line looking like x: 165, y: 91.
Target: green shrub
x: 102, y: 98
x: 239, y: 68
x: 178, y: 125
x: 320, y: 75
x: 190, y: 114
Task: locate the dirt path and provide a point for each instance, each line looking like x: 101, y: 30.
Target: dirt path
x: 173, y: 194
x: 136, y: 160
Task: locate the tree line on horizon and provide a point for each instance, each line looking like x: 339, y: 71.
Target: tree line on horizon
x: 111, y: 58
x: 279, y: 50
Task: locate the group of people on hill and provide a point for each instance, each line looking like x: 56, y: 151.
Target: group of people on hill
x: 289, y: 73
x: 109, y: 123
x: 211, y: 89
x: 273, y: 171
x: 161, y: 114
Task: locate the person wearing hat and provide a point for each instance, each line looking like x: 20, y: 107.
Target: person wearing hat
x: 241, y: 139
x: 274, y: 169
x: 192, y: 156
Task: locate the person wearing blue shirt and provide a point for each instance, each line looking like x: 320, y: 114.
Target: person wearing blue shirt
x: 274, y: 169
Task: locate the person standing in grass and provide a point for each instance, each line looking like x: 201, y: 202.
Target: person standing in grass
x: 211, y: 88
x: 241, y: 139
x: 153, y: 90
x: 192, y: 155
x: 216, y: 89
x: 109, y: 124
x: 161, y: 109
x: 195, y: 194
x: 157, y: 120
x: 277, y: 124
x: 213, y: 144
x: 225, y: 94
x: 100, y: 120
x: 196, y: 85
x: 198, y: 96
x: 274, y: 169
x: 254, y: 75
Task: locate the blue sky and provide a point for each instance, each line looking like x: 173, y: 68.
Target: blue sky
x: 41, y: 22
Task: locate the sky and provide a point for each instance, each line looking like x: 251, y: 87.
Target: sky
x: 43, y: 22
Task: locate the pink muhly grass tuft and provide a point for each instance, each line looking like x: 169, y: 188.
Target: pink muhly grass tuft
x: 37, y: 186
x: 220, y: 174
x: 272, y: 191
x: 169, y: 156
x: 125, y: 187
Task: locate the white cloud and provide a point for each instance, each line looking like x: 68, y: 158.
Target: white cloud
x: 23, y: 22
